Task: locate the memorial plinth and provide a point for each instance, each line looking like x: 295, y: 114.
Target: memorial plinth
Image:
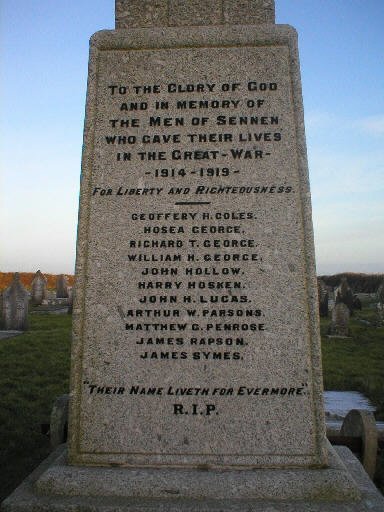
x: 196, y: 371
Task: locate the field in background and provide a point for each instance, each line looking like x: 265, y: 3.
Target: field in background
x: 356, y: 363
x: 26, y: 279
x: 34, y: 370
x: 360, y: 283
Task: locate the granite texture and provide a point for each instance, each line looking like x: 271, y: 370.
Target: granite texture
x: 141, y: 13
x: 195, y: 12
x: 240, y: 421
x: 329, y: 484
x: 249, y: 12
x: 157, y: 13
x: 56, y: 487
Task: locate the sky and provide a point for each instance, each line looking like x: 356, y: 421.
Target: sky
x: 43, y: 86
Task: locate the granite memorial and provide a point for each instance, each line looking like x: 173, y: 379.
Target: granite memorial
x: 196, y: 383
x: 194, y: 216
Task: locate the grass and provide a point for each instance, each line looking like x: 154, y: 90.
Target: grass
x: 34, y: 370
x: 356, y: 363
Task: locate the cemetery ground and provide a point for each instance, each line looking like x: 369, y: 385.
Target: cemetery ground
x: 34, y: 370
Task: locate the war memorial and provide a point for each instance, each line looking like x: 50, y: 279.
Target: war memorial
x: 196, y: 381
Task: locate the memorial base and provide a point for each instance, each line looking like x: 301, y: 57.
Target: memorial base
x: 57, y: 487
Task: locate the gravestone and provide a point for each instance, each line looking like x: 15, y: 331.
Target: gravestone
x: 380, y: 293
x: 340, y: 320
x: 357, y: 304
x: 70, y: 299
x: 344, y: 294
x: 1, y: 310
x: 195, y: 383
x: 15, y: 306
x: 61, y: 287
x: 39, y: 288
x: 380, y: 299
x: 323, y: 298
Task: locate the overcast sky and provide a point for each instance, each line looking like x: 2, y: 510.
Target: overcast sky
x: 44, y: 71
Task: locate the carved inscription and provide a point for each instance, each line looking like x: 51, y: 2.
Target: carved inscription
x: 195, y: 238
x: 204, y: 312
